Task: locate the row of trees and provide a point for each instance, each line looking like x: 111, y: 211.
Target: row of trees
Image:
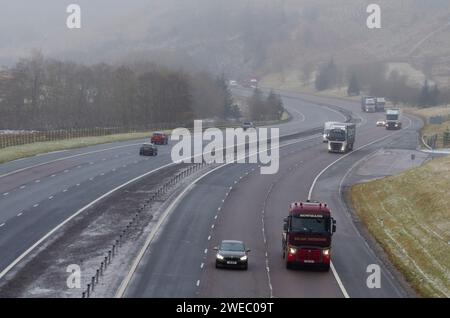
x: 263, y: 109
x: 372, y: 79
x: 42, y: 94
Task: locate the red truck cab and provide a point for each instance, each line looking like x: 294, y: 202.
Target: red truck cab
x: 159, y: 138
x: 307, y: 234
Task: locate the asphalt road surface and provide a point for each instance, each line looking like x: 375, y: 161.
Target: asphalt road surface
x: 39, y: 193
x: 237, y: 202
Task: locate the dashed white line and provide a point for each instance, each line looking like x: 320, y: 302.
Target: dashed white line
x: 212, y: 226
x: 20, y: 214
x: 215, y: 218
x: 201, y: 265
x: 102, y: 174
x: 50, y: 197
x: 36, y: 205
x: 91, y: 179
x: 53, y: 175
x: 65, y: 171
x: 77, y: 184
x: 209, y: 238
x: 2, y: 225
x: 6, y: 193
x: 65, y: 190
x: 37, y: 181
x: 23, y: 187
x: 198, y: 283
x: 206, y: 250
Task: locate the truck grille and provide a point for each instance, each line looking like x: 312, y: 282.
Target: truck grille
x: 310, y: 254
x: 335, y: 146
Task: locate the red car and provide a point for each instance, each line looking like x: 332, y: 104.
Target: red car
x: 160, y: 138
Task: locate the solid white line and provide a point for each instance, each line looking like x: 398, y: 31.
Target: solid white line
x: 350, y: 153
x: 65, y: 158
x: 336, y: 275
x: 29, y: 250
x: 338, y: 280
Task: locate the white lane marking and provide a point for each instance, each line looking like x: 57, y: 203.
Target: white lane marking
x: 50, y: 197
x: 65, y: 171
x: 198, y: 283
x: 34, y: 206
x: 123, y: 286
x: 53, y: 175
x: 338, y: 280
x: 212, y: 226
x: 335, y: 273
x: 23, y: 187
x: 2, y: 225
x: 209, y: 238
x: 102, y: 174
x: 77, y: 184
x: 348, y: 154
x: 215, y: 218
x: 65, y: 190
x: 91, y: 179
x: 91, y: 163
x: 206, y: 250
x: 65, y: 158
x: 31, y: 248
x: 201, y: 265
x: 6, y: 193
x: 20, y: 214
x: 298, y: 112
x: 263, y: 215
x: 37, y: 181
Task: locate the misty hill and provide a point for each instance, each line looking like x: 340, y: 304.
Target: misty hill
x: 239, y: 37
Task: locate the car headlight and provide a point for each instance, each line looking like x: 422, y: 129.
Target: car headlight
x: 292, y: 250
x: 218, y: 256
x: 326, y: 252
x: 243, y: 258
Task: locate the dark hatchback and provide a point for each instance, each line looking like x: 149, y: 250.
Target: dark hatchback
x: 232, y: 254
x: 148, y: 150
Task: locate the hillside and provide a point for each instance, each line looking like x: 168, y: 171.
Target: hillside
x: 257, y: 37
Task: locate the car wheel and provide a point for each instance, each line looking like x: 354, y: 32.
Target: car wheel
x: 246, y: 267
x: 326, y: 268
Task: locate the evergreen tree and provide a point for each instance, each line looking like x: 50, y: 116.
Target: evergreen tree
x: 353, y: 86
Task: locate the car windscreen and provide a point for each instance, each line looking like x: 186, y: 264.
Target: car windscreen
x: 232, y: 246
x: 336, y: 134
x: 310, y: 225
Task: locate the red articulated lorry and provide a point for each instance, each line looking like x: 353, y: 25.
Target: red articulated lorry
x: 307, y: 234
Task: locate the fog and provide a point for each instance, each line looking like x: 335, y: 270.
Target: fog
x: 238, y: 37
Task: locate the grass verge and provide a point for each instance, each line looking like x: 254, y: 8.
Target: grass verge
x: 409, y: 216
x: 431, y: 129
x: 28, y: 150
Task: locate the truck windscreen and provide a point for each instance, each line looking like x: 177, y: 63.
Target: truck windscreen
x: 392, y: 117
x: 310, y: 225
x: 336, y: 135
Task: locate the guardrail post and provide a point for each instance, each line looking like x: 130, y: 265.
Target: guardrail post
x: 93, y: 282
x: 88, y: 288
x: 97, y: 273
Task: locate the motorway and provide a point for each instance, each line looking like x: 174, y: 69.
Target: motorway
x: 38, y: 194
x: 237, y: 202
